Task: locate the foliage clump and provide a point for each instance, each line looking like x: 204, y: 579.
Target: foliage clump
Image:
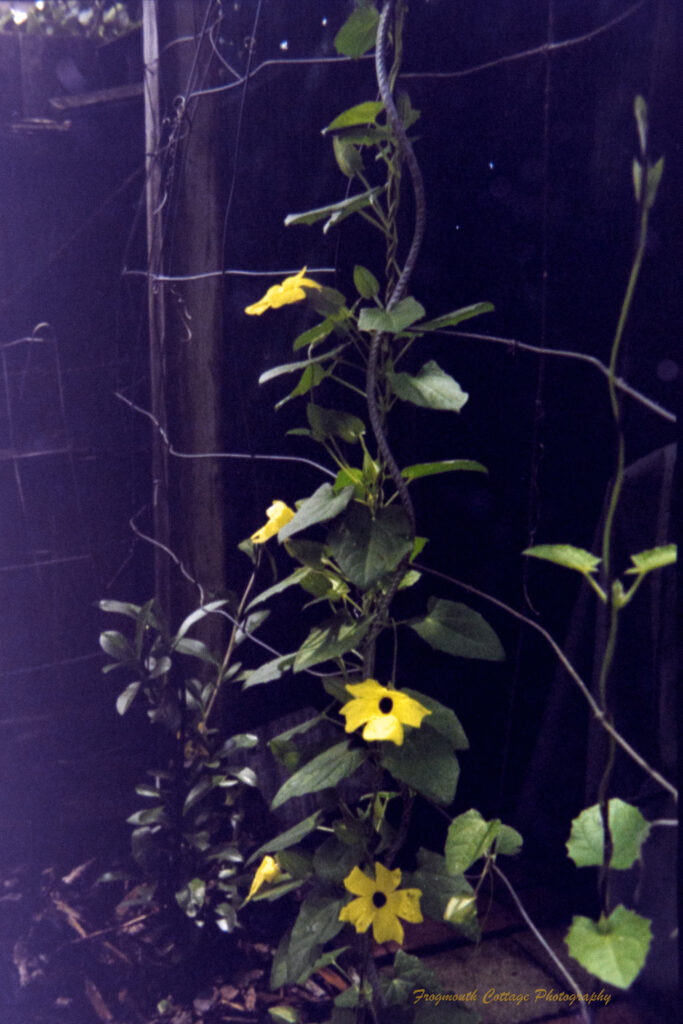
x: 98, y: 20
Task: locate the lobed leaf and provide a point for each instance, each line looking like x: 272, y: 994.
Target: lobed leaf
x: 614, y: 948
x: 470, y: 836
x: 367, y: 547
x: 628, y: 830
x: 654, y: 558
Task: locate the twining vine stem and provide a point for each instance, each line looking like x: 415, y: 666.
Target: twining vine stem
x: 379, y: 339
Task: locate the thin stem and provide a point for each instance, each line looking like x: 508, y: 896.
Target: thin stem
x: 231, y: 645
x: 594, y: 706
x: 586, y: 1015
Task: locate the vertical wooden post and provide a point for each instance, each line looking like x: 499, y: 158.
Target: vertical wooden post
x: 155, y: 297
x: 186, y: 329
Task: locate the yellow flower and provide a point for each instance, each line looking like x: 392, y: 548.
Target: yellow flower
x: 384, y: 712
x: 279, y: 515
x: 380, y: 903
x: 291, y: 290
x: 267, y: 871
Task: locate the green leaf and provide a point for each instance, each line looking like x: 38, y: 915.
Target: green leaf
x: 447, y: 466
x: 445, y: 897
x: 652, y: 180
x: 302, y: 364
x: 393, y: 321
x: 322, y: 506
x: 469, y: 838
x: 335, y: 212
x: 198, y: 791
x: 442, y: 719
x: 654, y: 558
x: 198, y: 615
x: 367, y: 548
x: 294, y: 579
x: 329, y: 302
x: 120, y: 608
x: 317, y: 923
x: 358, y: 33
x: 330, y: 640
x: 640, y: 111
x: 308, y: 552
x: 127, y: 696
x: 323, y: 772
x: 117, y: 646
x: 267, y: 672
x: 508, y: 841
x: 289, y: 838
x: 333, y: 860
x: 309, y: 379
x: 425, y: 761
x: 430, y: 388
x: 284, y: 1014
x: 567, y: 555
x: 458, y: 630
x: 334, y: 423
x: 628, y: 829
x: 456, y: 316
x: 366, y: 283
x: 314, y: 334
x: 195, y: 649
x: 349, y: 160
x: 637, y: 170
x: 614, y: 948
x: 362, y: 113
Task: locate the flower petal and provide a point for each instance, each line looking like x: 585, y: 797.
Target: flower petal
x: 369, y: 689
x: 360, y: 913
x: 278, y: 515
x: 359, y: 884
x: 387, y: 880
x: 358, y: 712
x: 408, y: 710
x: 386, y: 927
x: 267, y: 871
x: 406, y: 904
x: 384, y: 727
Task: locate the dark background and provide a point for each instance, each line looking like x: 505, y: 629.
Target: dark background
x: 526, y: 155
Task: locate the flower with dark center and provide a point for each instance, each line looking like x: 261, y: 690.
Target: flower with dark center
x: 380, y: 903
x: 382, y: 711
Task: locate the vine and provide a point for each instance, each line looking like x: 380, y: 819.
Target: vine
x: 376, y: 746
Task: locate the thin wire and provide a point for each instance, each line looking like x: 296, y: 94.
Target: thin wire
x: 224, y: 273
x: 221, y: 455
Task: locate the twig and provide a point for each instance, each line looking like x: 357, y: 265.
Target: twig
x: 536, y: 51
